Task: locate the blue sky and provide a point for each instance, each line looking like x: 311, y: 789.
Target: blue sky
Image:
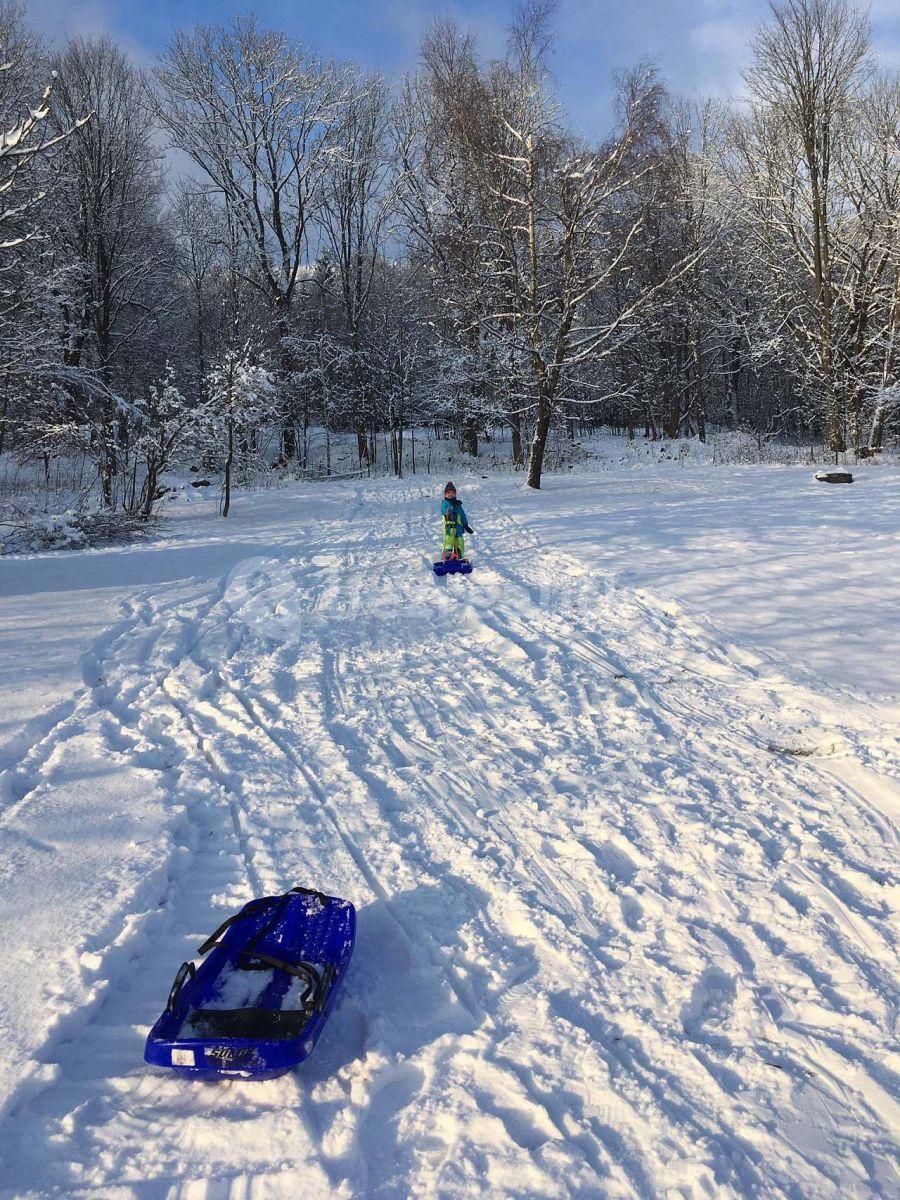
x: 700, y: 46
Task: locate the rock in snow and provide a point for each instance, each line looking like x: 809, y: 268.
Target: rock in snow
x: 834, y: 476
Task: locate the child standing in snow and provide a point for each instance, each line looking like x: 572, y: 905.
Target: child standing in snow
x: 456, y: 523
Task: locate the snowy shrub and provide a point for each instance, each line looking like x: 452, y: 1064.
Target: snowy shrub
x: 238, y: 404
x: 162, y: 419
x: 23, y: 531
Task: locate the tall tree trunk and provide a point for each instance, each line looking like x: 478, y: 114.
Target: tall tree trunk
x: 879, y: 418
x: 401, y: 416
x: 286, y: 366
x: 700, y: 379
x: 106, y: 461
x: 4, y: 405
x: 515, y: 424
x: 362, y: 445
x: 363, y: 450
x: 539, y: 442
x: 151, y: 481
x: 229, y: 462
x: 673, y: 408
x: 854, y: 419
x: 372, y: 448
x: 469, y: 440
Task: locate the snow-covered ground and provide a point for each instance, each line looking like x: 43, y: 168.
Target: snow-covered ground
x: 619, y: 813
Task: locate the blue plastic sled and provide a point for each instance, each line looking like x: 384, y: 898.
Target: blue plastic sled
x: 257, y: 1005
x: 453, y: 566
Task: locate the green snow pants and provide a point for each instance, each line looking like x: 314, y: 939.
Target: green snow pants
x: 454, y: 542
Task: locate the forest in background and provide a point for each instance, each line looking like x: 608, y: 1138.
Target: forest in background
x: 209, y: 262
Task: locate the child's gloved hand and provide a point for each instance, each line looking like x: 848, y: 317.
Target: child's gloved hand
x: 468, y: 529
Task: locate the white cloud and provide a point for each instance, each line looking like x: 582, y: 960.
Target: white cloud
x: 59, y: 19
x: 409, y: 20
x: 722, y: 49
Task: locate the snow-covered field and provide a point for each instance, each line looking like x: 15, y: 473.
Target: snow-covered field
x: 619, y: 813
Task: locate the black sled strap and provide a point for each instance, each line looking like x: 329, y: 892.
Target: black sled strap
x: 302, y: 891
x: 305, y: 971
x: 213, y: 939
x: 316, y: 986
x: 250, y: 907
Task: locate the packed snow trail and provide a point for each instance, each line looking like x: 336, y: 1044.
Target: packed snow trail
x: 627, y: 894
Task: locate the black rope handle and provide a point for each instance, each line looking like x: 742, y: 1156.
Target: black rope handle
x: 250, y: 907
x: 320, y: 896
x: 213, y: 939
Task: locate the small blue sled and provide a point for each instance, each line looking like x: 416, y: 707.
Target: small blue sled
x: 257, y: 1005
x: 453, y: 566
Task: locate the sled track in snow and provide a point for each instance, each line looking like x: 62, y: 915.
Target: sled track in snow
x: 93, y: 1056
x: 600, y: 925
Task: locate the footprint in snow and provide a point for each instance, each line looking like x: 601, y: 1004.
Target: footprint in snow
x: 709, y: 1005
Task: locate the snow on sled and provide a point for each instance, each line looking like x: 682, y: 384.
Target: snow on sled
x: 453, y: 566
x: 257, y: 1005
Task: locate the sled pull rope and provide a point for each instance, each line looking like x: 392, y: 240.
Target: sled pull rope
x: 251, y: 907
x: 213, y: 939
x: 302, y: 891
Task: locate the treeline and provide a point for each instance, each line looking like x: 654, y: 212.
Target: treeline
x: 249, y: 243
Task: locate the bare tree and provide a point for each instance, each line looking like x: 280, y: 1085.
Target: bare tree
x: 542, y: 212
x: 356, y: 210
x: 869, y: 260
x: 257, y: 115
x: 30, y: 143
x: 810, y: 63
x: 28, y: 140
x: 201, y: 234
x: 106, y: 207
x: 440, y: 209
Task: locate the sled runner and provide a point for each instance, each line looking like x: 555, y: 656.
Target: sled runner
x: 453, y: 566
x: 258, y: 1003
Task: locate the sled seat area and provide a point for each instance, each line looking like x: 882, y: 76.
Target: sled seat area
x: 273, y: 1024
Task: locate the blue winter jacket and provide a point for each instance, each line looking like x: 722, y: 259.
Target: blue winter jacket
x: 451, y: 508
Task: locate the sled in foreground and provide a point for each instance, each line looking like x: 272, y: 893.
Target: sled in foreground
x: 258, y: 1003
x: 453, y: 566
